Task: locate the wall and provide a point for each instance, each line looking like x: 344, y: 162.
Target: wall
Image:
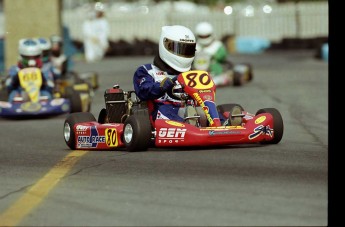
x: 29, y: 18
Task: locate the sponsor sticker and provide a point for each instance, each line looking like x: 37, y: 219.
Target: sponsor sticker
x: 57, y: 102
x: 174, y: 123
x: 111, y: 137
x: 31, y: 106
x: 261, y: 130
x: 259, y: 120
x: 90, y: 141
x: 228, y: 132
x: 171, y: 135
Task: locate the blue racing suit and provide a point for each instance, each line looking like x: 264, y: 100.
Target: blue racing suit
x: 146, y: 80
x: 13, y: 84
x: 51, y: 74
x: 147, y: 85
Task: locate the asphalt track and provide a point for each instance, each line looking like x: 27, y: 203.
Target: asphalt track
x: 43, y: 183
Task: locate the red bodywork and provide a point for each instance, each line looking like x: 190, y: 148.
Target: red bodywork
x: 93, y: 135
x: 199, y: 86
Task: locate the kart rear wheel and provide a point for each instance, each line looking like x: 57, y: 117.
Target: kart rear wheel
x: 278, y: 125
x: 3, y: 94
x: 75, y: 99
x: 137, y: 133
x: 102, y: 116
x: 71, y: 120
x: 238, y: 79
x: 90, y: 77
x: 250, y: 74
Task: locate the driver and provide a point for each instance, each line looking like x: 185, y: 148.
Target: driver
x: 48, y: 69
x: 30, y: 55
x: 154, y: 81
x: 215, y: 50
x: 58, y: 58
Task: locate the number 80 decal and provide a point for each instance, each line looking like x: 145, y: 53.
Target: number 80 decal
x: 111, y: 137
x: 198, y: 79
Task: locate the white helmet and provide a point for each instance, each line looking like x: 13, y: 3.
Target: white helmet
x: 177, y: 47
x: 29, y: 47
x: 99, y: 7
x: 204, y: 32
x: 46, y: 46
x: 30, y: 53
x: 44, y: 43
x: 56, y: 39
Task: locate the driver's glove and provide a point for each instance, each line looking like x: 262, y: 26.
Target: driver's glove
x: 166, y: 84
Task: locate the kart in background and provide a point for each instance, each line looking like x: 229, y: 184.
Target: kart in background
x: 31, y: 103
x: 73, y: 84
x: 233, y: 74
x: 125, y: 122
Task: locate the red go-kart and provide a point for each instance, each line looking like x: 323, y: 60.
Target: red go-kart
x: 125, y: 122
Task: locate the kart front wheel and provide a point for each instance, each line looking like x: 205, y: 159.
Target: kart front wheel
x: 71, y: 120
x: 278, y: 125
x: 137, y: 133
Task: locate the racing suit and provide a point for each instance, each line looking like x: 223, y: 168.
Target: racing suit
x: 13, y: 83
x: 60, y: 64
x: 51, y: 74
x: 147, y: 79
x: 217, y: 54
x: 147, y: 85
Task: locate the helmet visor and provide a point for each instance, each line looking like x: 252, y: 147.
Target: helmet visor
x: 182, y: 49
x: 204, y: 36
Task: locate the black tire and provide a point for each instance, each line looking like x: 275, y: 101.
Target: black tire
x: 3, y: 95
x: 278, y: 125
x: 250, y: 72
x: 137, y: 133
x: 94, y: 80
x: 88, y: 93
x: 238, y: 79
x: 3, y: 89
x: 102, y: 117
x: 75, y: 100
x: 71, y: 120
x: 91, y: 78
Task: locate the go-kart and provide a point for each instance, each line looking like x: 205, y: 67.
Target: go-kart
x: 30, y: 102
x: 126, y: 121
x: 233, y: 74
x: 72, y: 84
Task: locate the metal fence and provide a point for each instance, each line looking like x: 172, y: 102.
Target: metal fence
x: 289, y: 20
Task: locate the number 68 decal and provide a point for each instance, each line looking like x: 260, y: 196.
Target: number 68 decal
x: 197, y: 79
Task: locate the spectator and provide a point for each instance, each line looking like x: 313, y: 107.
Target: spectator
x: 96, y: 33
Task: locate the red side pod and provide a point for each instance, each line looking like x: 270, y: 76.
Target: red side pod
x: 95, y: 136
